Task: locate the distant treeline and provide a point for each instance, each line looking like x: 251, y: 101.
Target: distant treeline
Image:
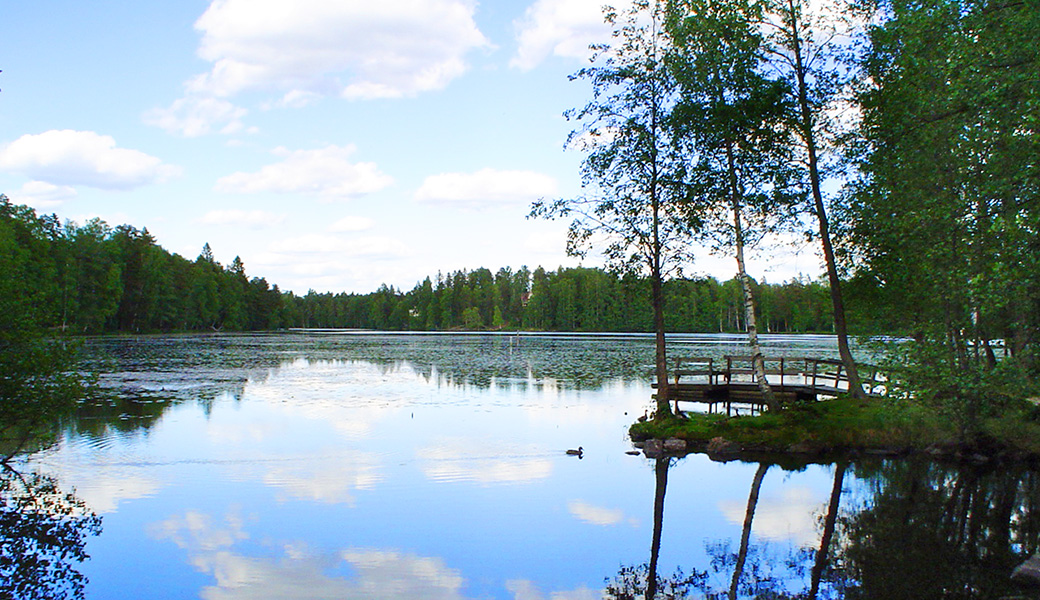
x: 95, y: 279
x: 568, y: 299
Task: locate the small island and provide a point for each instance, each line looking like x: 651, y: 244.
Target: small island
x: 843, y: 425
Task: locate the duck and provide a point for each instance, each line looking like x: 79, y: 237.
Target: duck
x: 573, y: 452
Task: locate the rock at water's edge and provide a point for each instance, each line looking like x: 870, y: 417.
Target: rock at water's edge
x: 720, y: 445
x: 801, y: 448
x: 653, y: 448
x: 674, y: 445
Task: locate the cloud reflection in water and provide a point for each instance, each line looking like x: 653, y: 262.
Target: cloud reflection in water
x: 790, y: 516
x: 483, y: 461
x: 597, y: 515
x: 327, y: 481
x: 297, y: 571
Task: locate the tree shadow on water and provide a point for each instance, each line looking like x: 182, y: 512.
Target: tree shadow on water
x: 642, y: 581
x: 921, y: 530
x: 43, y: 534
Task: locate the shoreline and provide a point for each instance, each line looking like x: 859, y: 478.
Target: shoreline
x: 840, y: 429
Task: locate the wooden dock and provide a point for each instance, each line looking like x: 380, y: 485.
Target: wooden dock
x: 730, y: 382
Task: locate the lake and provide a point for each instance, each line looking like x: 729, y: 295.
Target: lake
x: 330, y: 464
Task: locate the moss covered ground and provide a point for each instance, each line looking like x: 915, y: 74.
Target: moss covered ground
x: 846, y: 425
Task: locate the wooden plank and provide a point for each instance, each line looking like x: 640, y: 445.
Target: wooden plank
x: 692, y: 373
x: 800, y: 378
x: 694, y: 359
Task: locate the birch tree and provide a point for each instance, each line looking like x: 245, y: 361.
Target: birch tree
x: 631, y: 170
x: 804, y: 49
x: 731, y: 128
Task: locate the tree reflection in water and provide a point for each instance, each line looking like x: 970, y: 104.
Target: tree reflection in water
x: 43, y: 532
x: 936, y: 531
x: 924, y: 530
x: 642, y: 581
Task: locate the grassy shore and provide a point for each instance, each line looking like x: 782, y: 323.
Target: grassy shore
x: 842, y: 425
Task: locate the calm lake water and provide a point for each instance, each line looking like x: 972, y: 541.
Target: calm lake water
x: 361, y: 465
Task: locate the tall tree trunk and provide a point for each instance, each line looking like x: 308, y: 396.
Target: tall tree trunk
x: 745, y: 535
x: 828, y: 529
x: 656, y: 268
x: 757, y: 360
x: 809, y: 138
x: 661, y: 471
x: 661, y: 357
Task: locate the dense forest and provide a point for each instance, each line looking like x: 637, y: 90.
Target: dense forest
x: 93, y: 279
x: 98, y: 279
x: 568, y: 299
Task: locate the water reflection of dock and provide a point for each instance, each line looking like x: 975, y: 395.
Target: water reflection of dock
x: 731, y: 380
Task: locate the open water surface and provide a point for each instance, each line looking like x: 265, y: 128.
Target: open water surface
x: 322, y: 464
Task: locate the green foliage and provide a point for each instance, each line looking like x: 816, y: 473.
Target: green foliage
x: 945, y: 221
x: 967, y: 396
x: 95, y: 279
x: 37, y: 389
x: 568, y: 299
x: 996, y: 426
x: 38, y: 384
x: 943, y: 227
x: 471, y: 318
x: 730, y: 123
x: 633, y: 171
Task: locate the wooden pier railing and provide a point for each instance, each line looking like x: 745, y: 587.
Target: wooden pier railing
x: 732, y: 379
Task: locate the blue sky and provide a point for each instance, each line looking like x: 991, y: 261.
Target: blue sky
x: 333, y: 144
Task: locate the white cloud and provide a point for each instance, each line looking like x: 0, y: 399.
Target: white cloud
x: 296, y: 99
x: 487, y: 187
x: 317, y: 243
x: 551, y: 242
x: 104, y: 492
x: 404, y: 575
x: 562, y: 28
x: 256, y: 219
x: 193, y: 116
x: 298, y: 573
x: 361, y: 276
x: 67, y: 157
x: 326, y: 172
x: 351, y: 224
x: 354, y: 48
x: 42, y: 195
